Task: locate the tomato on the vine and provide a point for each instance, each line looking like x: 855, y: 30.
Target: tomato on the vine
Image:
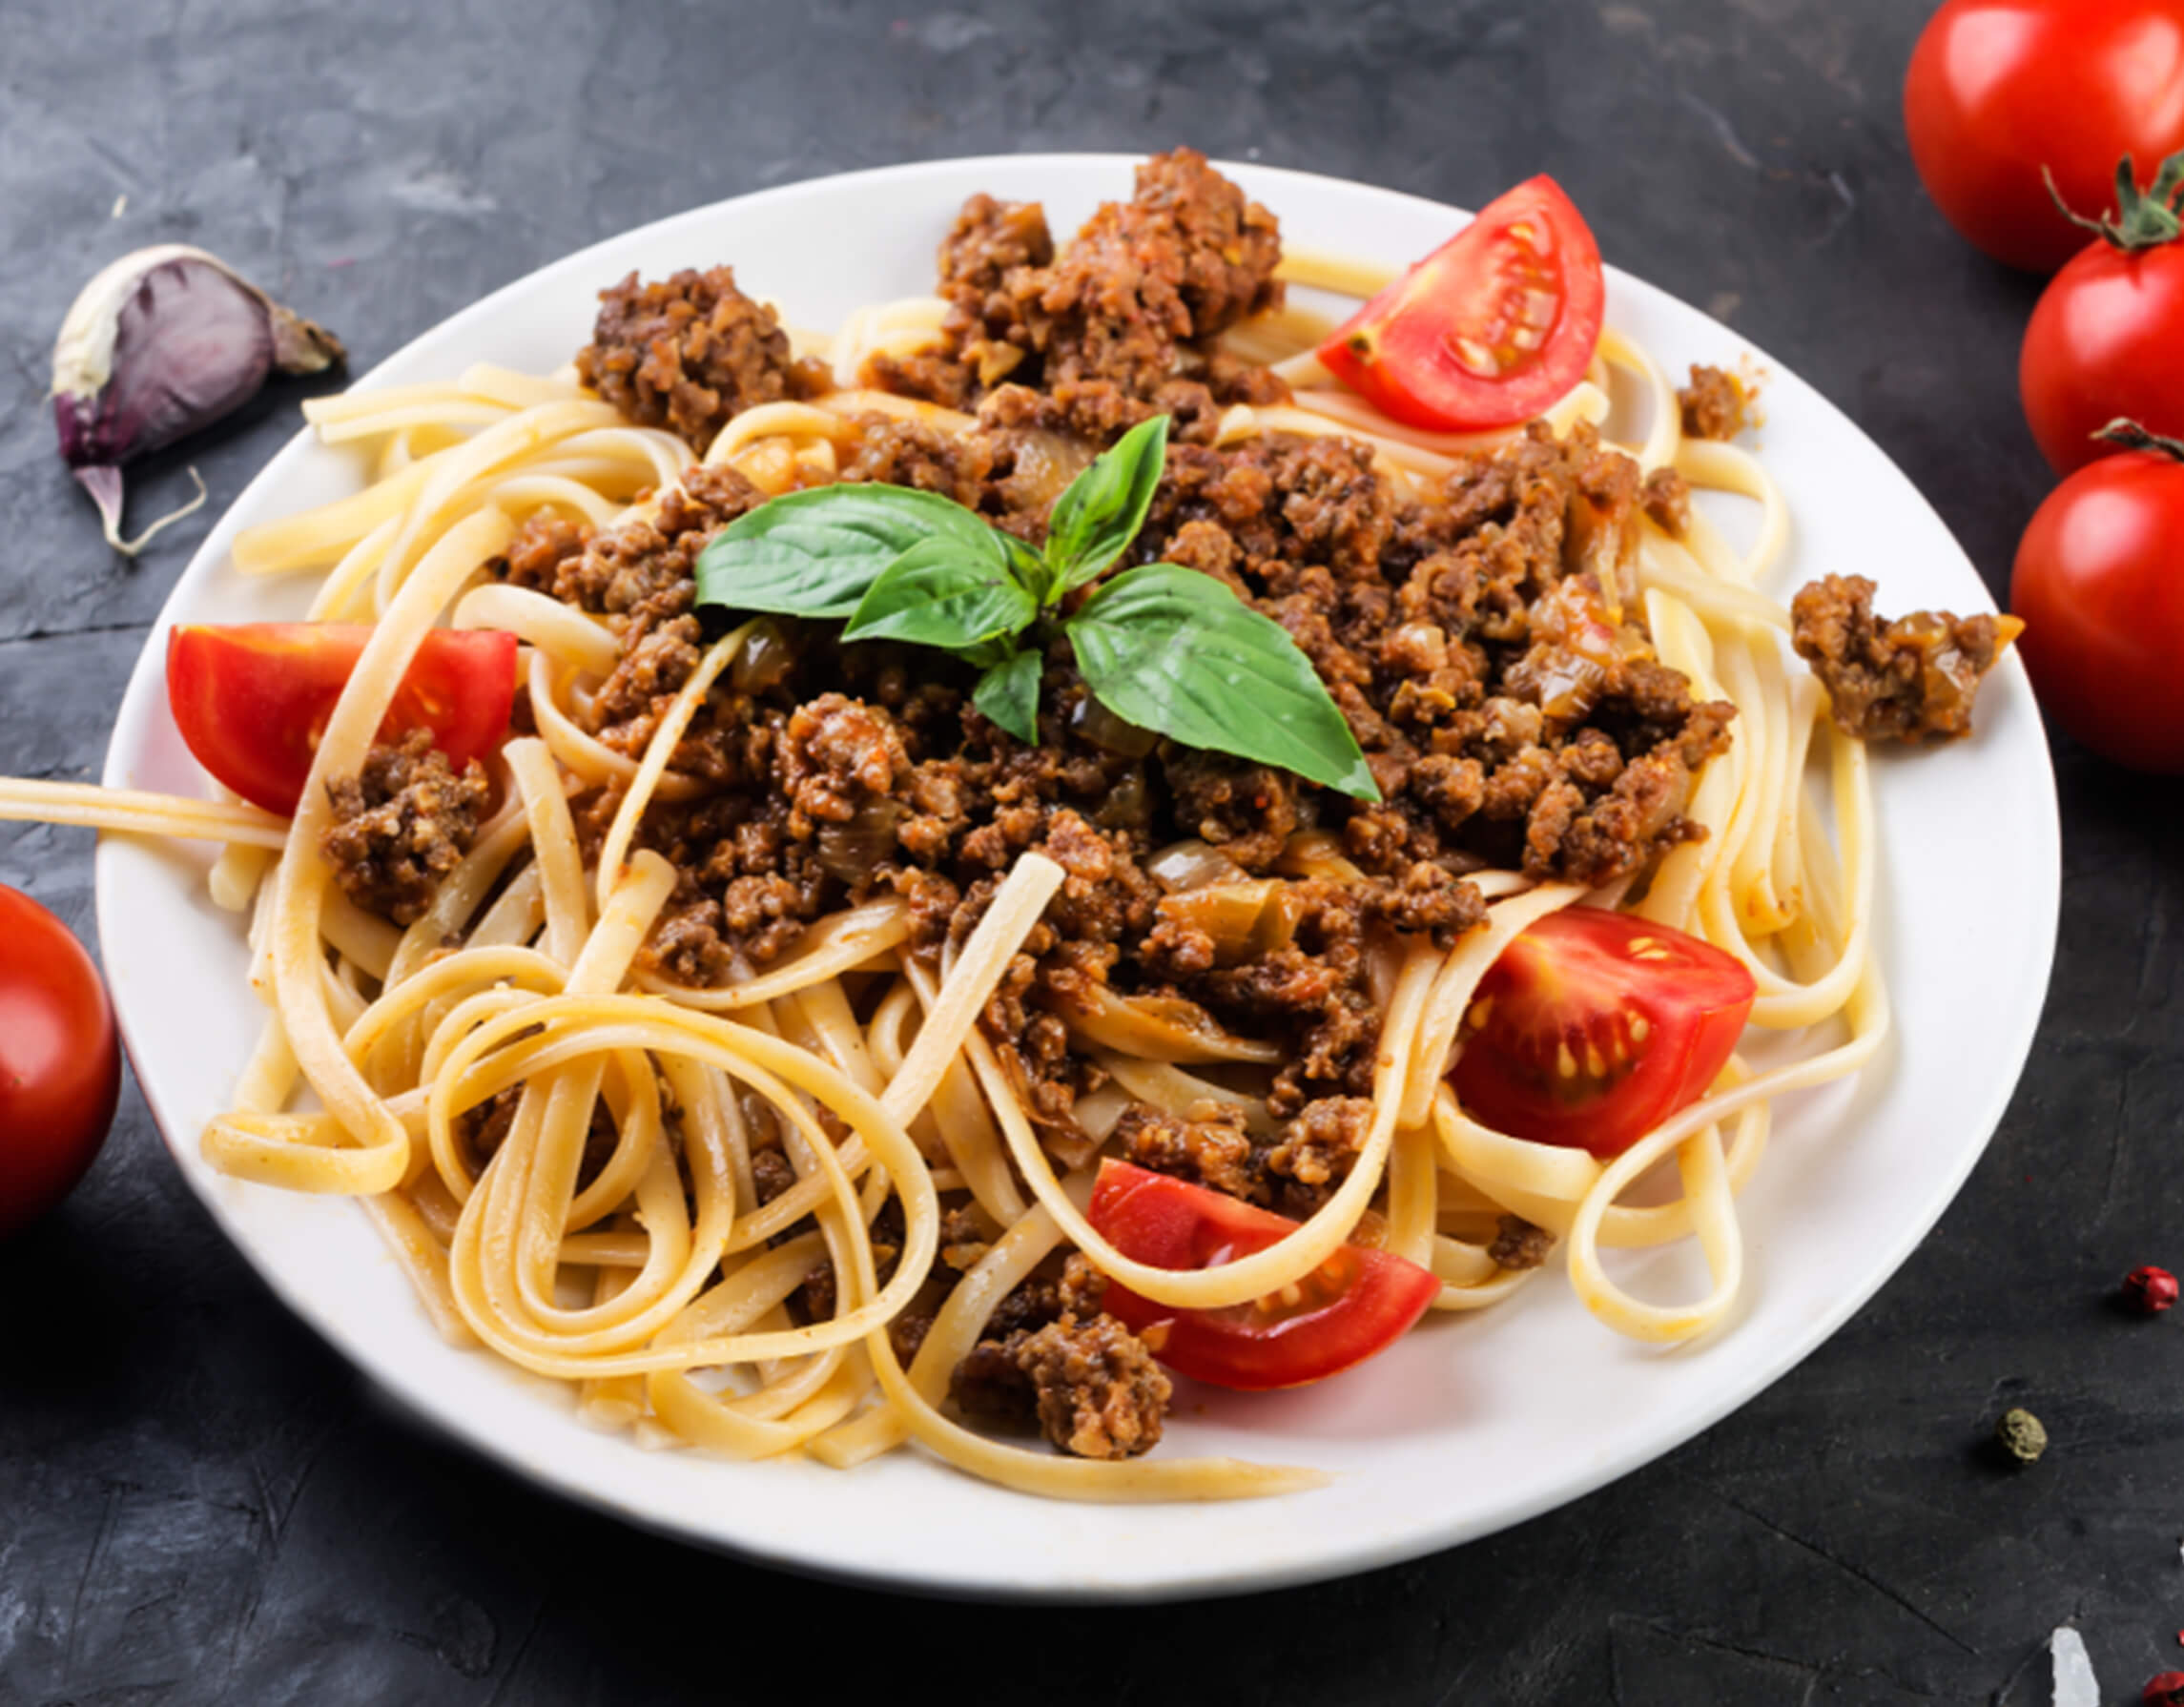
x: 1487, y: 330
x: 2103, y: 342
x: 1594, y: 1027
x: 1999, y: 90
x: 252, y: 700
x: 2099, y: 581
x: 1356, y: 1304
x: 60, y: 1065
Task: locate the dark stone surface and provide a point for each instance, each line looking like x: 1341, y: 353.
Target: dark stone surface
x: 198, y: 1501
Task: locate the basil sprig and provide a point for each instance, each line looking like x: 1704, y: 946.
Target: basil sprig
x: 817, y: 553
x: 1162, y: 647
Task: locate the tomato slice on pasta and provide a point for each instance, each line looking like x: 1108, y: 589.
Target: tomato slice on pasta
x: 1491, y: 328
x: 252, y: 699
x: 1594, y: 1027
x: 1356, y: 1302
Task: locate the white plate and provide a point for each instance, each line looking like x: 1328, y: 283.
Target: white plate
x: 1471, y: 1422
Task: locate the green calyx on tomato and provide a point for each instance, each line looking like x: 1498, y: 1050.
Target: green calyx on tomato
x: 60, y: 1062
x: 1356, y: 1304
x: 1490, y: 329
x: 1594, y: 1027
x: 2143, y: 218
x: 252, y: 700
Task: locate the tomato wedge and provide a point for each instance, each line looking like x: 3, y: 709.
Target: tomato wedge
x: 1356, y: 1302
x: 1594, y: 1027
x: 1487, y: 330
x: 253, y: 699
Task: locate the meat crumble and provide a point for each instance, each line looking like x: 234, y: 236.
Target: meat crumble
x: 1098, y: 1392
x: 401, y: 824
x: 1093, y: 1386
x: 690, y: 353
x: 1119, y: 326
x: 1912, y: 679
x: 1295, y: 1171
x: 484, y: 1129
x: 1518, y: 1244
x: 1715, y: 404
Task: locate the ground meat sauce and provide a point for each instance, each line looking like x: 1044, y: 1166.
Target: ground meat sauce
x: 1518, y: 1244
x: 690, y: 353
x: 1092, y: 1385
x: 1666, y: 496
x: 1050, y: 1358
x: 1118, y: 326
x: 1294, y: 1172
x: 1715, y: 404
x: 1912, y: 679
x: 484, y: 1129
x: 401, y: 824
x: 1480, y: 636
x: 535, y: 557
x: 1512, y: 712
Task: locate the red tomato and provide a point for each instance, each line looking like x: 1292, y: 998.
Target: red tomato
x: 1487, y: 330
x: 2103, y: 343
x: 1594, y: 1027
x: 60, y: 1067
x: 252, y: 700
x: 2100, y: 584
x: 1356, y: 1304
x: 1998, y: 89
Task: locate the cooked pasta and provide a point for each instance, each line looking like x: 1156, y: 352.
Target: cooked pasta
x: 717, y: 1205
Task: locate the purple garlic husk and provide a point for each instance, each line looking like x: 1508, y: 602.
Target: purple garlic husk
x: 160, y: 343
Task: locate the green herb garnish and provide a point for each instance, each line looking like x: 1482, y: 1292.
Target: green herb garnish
x: 1160, y: 646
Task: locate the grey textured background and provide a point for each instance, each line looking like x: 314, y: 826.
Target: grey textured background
x: 199, y: 1503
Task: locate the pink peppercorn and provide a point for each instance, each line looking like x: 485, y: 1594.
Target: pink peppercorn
x: 2150, y: 1290
x: 2165, y: 1691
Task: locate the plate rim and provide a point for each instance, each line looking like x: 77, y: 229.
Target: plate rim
x: 1755, y: 1375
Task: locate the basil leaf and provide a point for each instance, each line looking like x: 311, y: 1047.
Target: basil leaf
x: 1009, y: 694
x: 1105, y: 507
x: 1031, y: 570
x: 1171, y: 649
x: 817, y: 553
x: 941, y: 593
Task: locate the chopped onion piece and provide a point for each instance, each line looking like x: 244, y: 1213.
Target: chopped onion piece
x: 1192, y: 864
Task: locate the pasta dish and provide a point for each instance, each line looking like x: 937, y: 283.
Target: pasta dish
x: 915, y: 884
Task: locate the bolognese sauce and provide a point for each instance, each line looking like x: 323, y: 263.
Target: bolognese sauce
x: 1480, y: 637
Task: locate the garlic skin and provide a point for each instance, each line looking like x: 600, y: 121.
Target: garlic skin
x: 159, y: 344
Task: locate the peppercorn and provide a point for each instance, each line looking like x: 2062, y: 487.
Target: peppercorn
x: 2021, y: 1434
x: 2164, y: 1691
x: 2150, y: 1290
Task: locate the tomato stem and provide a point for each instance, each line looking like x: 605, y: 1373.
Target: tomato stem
x: 2132, y: 437
x: 2143, y: 218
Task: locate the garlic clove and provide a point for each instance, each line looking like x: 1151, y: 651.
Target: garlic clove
x: 162, y: 342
